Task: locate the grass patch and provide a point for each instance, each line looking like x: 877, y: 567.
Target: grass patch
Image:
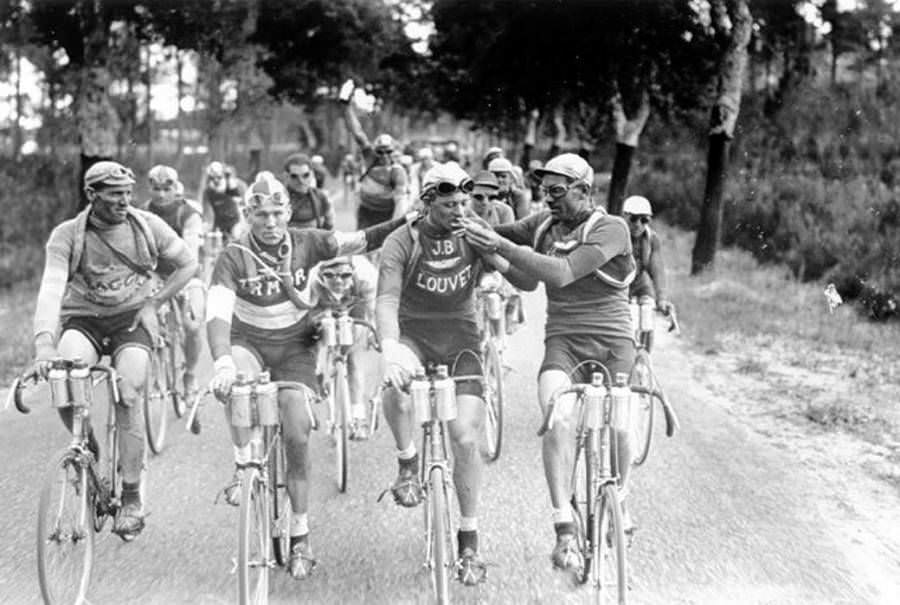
x: 16, y: 316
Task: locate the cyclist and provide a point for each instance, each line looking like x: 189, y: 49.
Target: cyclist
x: 186, y: 221
x: 310, y: 206
x: 583, y: 256
x: 650, y: 283
x: 257, y: 317
x: 348, y: 283
x: 510, y: 192
x: 220, y: 196
x: 382, y: 187
x: 417, y: 173
x: 425, y: 312
x: 100, y: 289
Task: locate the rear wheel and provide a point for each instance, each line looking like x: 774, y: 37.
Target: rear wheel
x: 493, y: 400
x: 253, y: 541
x: 611, y: 572
x: 281, y: 505
x: 65, y: 532
x: 156, y: 404
x: 341, y: 391
x: 439, y: 549
x: 641, y: 409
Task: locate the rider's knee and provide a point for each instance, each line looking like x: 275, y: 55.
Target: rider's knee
x: 295, y: 415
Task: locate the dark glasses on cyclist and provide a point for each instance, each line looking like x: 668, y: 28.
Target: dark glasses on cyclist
x: 643, y: 218
x: 446, y: 188
x: 344, y: 275
x: 300, y: 176
x: 480, y: 197
x: 556, y: 191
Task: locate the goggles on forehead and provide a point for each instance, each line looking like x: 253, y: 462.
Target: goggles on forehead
x: 448, y: 188
x: 259, y: 199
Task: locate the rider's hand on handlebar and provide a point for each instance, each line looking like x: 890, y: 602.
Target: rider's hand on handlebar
x: 42, y: 359
x: 400, y: 362
x: 665, y: 307
x: 226, y: 373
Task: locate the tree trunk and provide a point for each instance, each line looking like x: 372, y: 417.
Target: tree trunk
x: 148, y: 83
x: 628, y: 131
x: 723, y: 117
x: 17, y: 124
x: 179, y: 116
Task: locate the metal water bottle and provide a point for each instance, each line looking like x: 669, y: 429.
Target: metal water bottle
x: 80, y: 391
x: 418, y: 391
x: 345, y: 330
x: 57, y: 377
x: 593, y: 402
x: 621, y: 395
x: 329, y: 330
x: 444, y: 394
x: 240, y: 402
x: 646, y: 316
x: 266, y: 400
x: 494, y: 304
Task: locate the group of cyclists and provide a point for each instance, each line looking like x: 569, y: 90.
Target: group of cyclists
x: 110, y: 268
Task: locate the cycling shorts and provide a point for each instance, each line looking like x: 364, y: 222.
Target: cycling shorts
x: 565, y: 351
x: 285, y: 361
x: 442, y: 344
x: 109, y: 334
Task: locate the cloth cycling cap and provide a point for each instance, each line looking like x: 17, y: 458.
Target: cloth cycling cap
x: 317, y: 159
x: 425, y: 154
x: 337, y: 260
x: 215, y: 169
x: 569, y: 165
x: 486, y: 178
x: 448, y: 172
x: 108, y: 173
x: 637, y: 204
x: 383, y: 142
x: 266, y: 188
x: 162, y: 174
x: 500, y: 165
x: 493, y: 152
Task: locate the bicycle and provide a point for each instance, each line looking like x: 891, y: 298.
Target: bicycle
x: 645, y: 385
x: 213, y: 243
x: 165, y: 374
x: 265, y: 509
x: 79, y: 492
x: 492, y: 305
x: 596, y: 481
x: 338, y: 336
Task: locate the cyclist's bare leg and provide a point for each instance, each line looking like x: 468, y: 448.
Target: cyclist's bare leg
x: 74, y: 344
x: 131, y: 364
x: 355, y: 375
x: 296, y: 424
x: 558, y: 445
x: 398, y: 413
x: 193, y: 313
x: 465, y: 433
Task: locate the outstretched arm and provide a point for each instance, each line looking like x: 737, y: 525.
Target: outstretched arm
x: 354, y: 125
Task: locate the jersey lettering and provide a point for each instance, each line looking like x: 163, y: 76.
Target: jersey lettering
x: 444, y: 284
x: 442, y: 247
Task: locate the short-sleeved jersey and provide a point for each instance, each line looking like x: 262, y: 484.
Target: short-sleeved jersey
x: 439, y: 275
x: 357, y: 297
x: 311, y: 209
x: 225, y: 207
x: 589, y: 304
x: 646, y: 248
x: 377, y: 185
x: 175, y: 214
x: 262, y: 308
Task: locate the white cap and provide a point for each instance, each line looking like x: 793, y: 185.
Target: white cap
x: 425, y: 153
x: 637, y: 204
x: 569, y: 165
x: 162, y: 174
x: 448, y: 172
x: 500, y: 165
x: 266, y: 188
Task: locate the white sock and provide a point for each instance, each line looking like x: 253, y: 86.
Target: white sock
x: 242, y: 454
x: 299, y: 524
x: 468, y: 524
x: 563, y: 515
x: 358, y: 411
x: 408, y: 453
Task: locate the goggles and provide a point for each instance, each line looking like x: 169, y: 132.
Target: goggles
x: 643, y: 218
x: 556, y: 191
x: 448, y: 188
x: 344, y: 275
x: 300, y: 176
x: 384, y: 151
x: 480, y: 197
x: 258, y: 199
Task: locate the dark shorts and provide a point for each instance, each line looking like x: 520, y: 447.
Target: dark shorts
x: 366, y: 217
x: 110, y: 333
x: 442, y: 343
x: 564, y: 352
x: 286, y: 361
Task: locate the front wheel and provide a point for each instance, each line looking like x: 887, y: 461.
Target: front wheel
x: 611, y: 571
x: 65, y: 532
x: 253, y: 540
x: 175, y: 367
x: 439, y: 546
x: 156, y: 404
x: 582, y: 501
x: 281, y: 504
x: 642, y: 409
x: 493, y: 401
x: 341, y: 393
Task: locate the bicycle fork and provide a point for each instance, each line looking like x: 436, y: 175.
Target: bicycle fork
x: 435, y: 443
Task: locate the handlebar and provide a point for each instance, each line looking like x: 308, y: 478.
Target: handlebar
x: 20, y: 383
x: 577, y: 388
x: 673, y: 321
x: 192, y: 421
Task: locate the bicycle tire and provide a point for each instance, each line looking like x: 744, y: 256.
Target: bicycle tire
x: 253, y: 540
x: 341, y: 393
x: 156, y: 405
x: 611, y: 580
x: 582, y: 502
x: 281, y: 504
x: 493, y: 399
x: 439, y: 550
x: 176, y: 366
x: 642, y: 413
x: 65, y: 523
